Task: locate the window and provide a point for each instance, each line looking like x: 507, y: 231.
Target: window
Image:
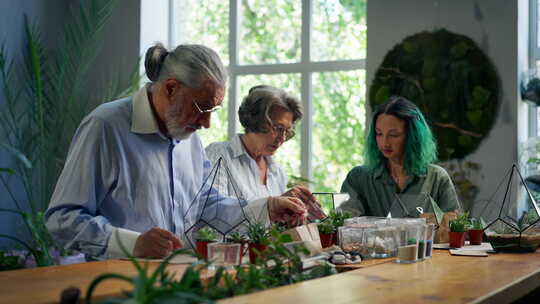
x: 534, y: 60
x: 314, y: 49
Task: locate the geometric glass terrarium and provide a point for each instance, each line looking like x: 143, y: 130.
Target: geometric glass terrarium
x: 210, y: 208
x: 330, y: 200
x: 512, y: 216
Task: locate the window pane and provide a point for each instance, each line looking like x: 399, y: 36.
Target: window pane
x: 203, y: 22
x: 288, y: 155
x: 218, y: 126
x: 339, y: 30
x: 338, y: 126
x: 270, y: 31
x: 537, y: 24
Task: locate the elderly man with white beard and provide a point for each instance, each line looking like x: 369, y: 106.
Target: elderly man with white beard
x: 135, y: 165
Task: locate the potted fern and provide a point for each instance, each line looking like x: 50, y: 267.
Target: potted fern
x: 258, y: 240
x: 205, y: 236
x: 326, y: 233
x: 476, y: 231
x: 458, y: 227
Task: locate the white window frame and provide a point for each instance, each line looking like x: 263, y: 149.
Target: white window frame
x: 534, y: 55
x: 306, y: 67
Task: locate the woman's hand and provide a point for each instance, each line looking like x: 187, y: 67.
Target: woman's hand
x: 314, y: 208
x: 287, y: 209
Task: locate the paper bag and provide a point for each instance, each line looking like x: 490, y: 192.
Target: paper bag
x: 309, y: 234
x: 441, y: 235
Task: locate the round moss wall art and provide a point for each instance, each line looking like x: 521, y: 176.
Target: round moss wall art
x: 452, y: 81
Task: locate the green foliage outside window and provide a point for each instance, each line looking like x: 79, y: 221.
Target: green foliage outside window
x: 270, y: 33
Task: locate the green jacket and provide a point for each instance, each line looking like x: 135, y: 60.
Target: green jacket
x: 374, y: 192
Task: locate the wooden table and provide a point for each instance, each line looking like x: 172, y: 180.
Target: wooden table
x: 499, y: 278
x: 45, y: 284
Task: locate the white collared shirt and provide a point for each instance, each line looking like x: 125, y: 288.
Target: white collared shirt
x: 244, y: 171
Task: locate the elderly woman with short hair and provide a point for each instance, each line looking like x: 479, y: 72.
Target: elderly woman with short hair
x: 268, y: 115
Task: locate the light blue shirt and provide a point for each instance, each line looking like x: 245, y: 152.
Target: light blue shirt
x: 122, y: 172
x: 244, y: 173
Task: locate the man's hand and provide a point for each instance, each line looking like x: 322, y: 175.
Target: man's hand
x: 156, y: 243
x: 314, y: 207
x: 287, y: 209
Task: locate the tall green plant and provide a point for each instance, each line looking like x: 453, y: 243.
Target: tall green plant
x: 44, y: 104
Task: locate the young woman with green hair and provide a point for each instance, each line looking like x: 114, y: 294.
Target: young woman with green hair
x: 399, y: 177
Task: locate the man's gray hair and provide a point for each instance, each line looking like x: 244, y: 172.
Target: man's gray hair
x: 191, y: 64
x: 257, y: 107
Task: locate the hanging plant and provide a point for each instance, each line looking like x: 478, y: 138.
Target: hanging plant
x: 530, y: 87
x: 450, y: 79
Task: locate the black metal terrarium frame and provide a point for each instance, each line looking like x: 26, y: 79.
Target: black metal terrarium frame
x: 512, y: 236
x: 210, y: 190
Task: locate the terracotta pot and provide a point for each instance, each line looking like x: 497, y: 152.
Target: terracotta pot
x: 202, y: 249
x: 327, y: 239
x: 252, y: 254
x: 457, y: 239
x: 475, y: 236
x: 243, y: 250
x: 335, y: 239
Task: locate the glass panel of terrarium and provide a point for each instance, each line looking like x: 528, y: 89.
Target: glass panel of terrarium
x: 339, y: 30
x: 207, y: 23
x: 288, y: 155
x: 338, y: 126
x: 270, y: 31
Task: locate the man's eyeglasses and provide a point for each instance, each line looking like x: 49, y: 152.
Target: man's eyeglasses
x: 202, y: 111
x: 283, y: 132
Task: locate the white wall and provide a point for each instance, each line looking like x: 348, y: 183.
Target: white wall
x: 493, y: 25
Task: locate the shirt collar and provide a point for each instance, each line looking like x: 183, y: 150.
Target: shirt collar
x: 238, y: 149
x: 378, y: 172
x: 143, y: 120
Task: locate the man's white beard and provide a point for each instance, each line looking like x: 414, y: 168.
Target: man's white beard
x: 172, y: 117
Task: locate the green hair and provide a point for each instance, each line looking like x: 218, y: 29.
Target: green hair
x: 420, y: 145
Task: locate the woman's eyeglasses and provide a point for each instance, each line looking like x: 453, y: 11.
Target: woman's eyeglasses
x: 283, y: 132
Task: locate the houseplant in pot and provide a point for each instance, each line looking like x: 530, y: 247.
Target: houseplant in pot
x: 205, y: 235
x: 476, y: 231
x: 258, y: 240
x: 326, y: 233
x: 337, y: 218
x: 458, y: 227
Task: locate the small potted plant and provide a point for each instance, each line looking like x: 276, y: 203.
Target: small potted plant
x: 326, y: 233
x: 258, y: 240
x: 476, y: 231
x: 205, y: 235
x: 458, y: 227
x: 239, y: 238
x: 338, y: 217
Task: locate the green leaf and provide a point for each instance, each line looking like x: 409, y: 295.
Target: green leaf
x: 474, y: 116
x: 429, y: 83
x: 464, y: 140
x: 459, y: 50
x: 7, y: 170
x: 383, y: 93
x: 410, y: 47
